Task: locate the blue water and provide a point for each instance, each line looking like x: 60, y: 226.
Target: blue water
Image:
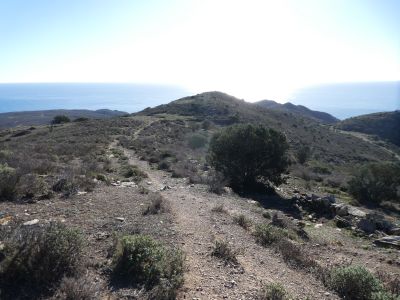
x: 124, y: 97
x: 344, y: 100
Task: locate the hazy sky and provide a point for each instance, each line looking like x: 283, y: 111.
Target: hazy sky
x: 251, y: 49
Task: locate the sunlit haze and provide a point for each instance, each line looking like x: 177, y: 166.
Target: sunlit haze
x: 251, y: 49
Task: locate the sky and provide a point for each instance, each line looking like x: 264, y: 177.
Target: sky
x: 251, y: 49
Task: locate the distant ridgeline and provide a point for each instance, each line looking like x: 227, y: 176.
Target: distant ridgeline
x: 43, y: 117
x: 319, y: 116
x: 385, y: 125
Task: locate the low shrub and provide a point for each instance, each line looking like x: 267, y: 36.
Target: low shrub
x: 156, y: 204
x: 266, y: 234
x: 8, y: 182
x: 60, y: 119
x: 31, y: 186
x: 273, y: 291
x: 355, y: 283
x: 219, y: 208
x: 131, y: 171
x: 223, y: 251
x: 242, y: 221
x: 141, y: 261
x: 294, y: 255
x: 78, y: 288
x: 216, y: 182
x: 197, y: 141
x: 36, y: 259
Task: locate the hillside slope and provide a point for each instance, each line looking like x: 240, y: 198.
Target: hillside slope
x: 43, y: 117
x: 319, y: 116
x: 328, y: 145
x: 385, y: 125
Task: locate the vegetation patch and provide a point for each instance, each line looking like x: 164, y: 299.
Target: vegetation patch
x: 34, y: 260
x: 223, y: 251
x: 273, y: 291
x: 242, y: 221
x: 132, y: 171
x: 156, y: 205
x: 141, y: 261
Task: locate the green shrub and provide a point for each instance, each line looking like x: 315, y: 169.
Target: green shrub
x: 36, y: 259
x: 376, y: 182
x: 78, y: 288
x: 303, y: 154
x: 355, y: 283
x: 266, y: 234
x: 273, y: 291
x: 60, y: 119
x: 131, y: 171
x: 247, y: 154
x: 140, y: 260
x: 8, y: 182
x: 223, y: 251
x: 216, y: 182
x: 197, y: 141
x: 242, y: 221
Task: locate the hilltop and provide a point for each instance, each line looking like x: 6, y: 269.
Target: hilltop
x: 43, y: 117
x: 301, y: 110
x: 385, y: 125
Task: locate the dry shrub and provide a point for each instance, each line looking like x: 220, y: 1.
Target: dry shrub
x: 156, y: 205
x: 273, y: 291
x: 223, y: 251
x: 242, y: 221
x: 216, y: 182
x: 295, y: 256
x: 219, y: 208
x: 78, y: 288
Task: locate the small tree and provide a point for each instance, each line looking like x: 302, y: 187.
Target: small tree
x: 303, y: 154
x: 247, y: 154
x: 60, y: 119
x: 376, y: 182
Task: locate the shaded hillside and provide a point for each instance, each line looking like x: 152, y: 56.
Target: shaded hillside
x: 319, y: 116
x: 385, y: 125
x: 43, y: 117
x: 221, y: 109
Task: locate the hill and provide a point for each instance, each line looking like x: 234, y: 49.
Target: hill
x: 385, y: 125
x: 43, y: 117
x: 221, y: 109
x: 319, y: 116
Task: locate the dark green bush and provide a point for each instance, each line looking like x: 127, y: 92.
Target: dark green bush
x: 247, y: 154
x: 355, y: 283
x: 376, y: 182
x: 303, y: 154
x: 242, y: 221
x: 36, y: 259
x: 60, y: 119
x: 140, y: 260
x: 196, y: 141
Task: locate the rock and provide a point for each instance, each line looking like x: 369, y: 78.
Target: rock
x: 5, y: 220
x: 318, y: 225
x: 81, y: 193
x: 355, y: 212
x: 342, y: 222
x: 395, y: 231
x: 121, y: 219
x: 166, y: 187
x: 391, y: 241
x: 31, y: 222
x: 149, y: 182
x: 128, y: 184
x: 366, y: 225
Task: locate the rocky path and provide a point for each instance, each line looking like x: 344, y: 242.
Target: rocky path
x: 198, y: 227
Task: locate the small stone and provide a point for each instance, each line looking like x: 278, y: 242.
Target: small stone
x: 31, y: 222
x: 121, y: 219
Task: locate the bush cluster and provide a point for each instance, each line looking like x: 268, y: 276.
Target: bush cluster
x: 141, y: 261
x: 36, y: 259
x: 376, y: 182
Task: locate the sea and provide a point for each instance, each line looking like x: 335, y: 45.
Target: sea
x: 342, y: 100
x: 115, y: 96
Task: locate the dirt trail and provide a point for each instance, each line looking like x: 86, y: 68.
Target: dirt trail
x: 198, y: 228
